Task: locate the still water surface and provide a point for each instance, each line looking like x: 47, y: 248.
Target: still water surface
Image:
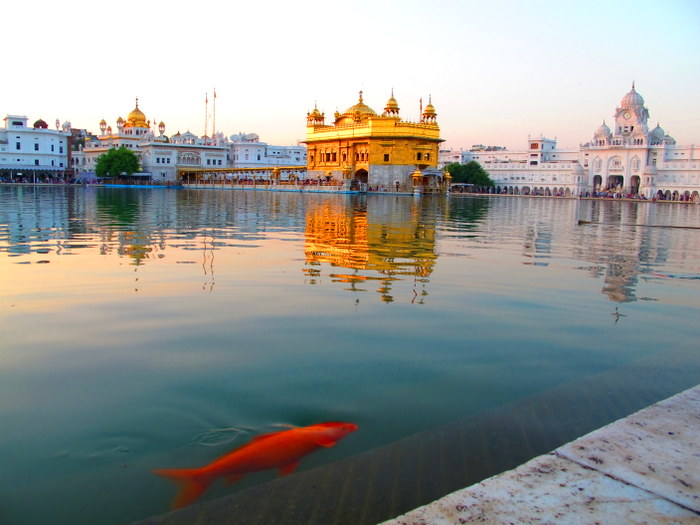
x: 153, y: 328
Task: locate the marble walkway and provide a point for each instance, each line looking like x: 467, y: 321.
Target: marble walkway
x: 642, y: 469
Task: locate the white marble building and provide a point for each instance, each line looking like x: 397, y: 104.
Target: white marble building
x: 628, y: 159
x: 161, y: 157
x: 33, y: 153
x: 247, y: 151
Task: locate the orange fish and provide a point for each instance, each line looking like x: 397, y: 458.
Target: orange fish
x: 280, y: 450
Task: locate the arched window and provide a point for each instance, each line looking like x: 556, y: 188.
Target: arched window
x: 615, y: 164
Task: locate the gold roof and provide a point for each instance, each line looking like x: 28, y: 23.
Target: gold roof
x: 136, y: 117
x: 361, y: 108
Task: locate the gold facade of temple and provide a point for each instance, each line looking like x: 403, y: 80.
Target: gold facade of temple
x: 381, y: 151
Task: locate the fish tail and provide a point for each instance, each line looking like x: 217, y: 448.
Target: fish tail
x: 191, y: 484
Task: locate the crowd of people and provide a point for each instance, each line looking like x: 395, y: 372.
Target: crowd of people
x: 46, y: 180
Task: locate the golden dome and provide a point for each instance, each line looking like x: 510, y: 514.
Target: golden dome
x: 361, y: 108
x: 136, y: 116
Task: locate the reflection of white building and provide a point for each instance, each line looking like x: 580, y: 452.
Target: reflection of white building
x: 33, y: 153
x: 629, y: 159
x: 161, y: 157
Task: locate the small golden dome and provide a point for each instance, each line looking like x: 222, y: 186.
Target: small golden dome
x: 391, y: 103
x: 361, y: 108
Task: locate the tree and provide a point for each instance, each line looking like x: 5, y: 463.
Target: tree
x: 469, y: 173
x: 476, y: 174
x: 117, y: 162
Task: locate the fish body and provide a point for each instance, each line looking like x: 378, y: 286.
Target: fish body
x: 278, y: 450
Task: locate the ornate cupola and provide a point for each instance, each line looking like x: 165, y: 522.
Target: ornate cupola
x: 429, y: 115
x: 315, y: 118
x: 392, y: 107
x: 602, y: 135
x: 103, y: 126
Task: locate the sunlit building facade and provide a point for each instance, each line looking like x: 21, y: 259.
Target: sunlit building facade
x: 381, y: 151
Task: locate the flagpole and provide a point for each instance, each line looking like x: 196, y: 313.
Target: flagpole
x: 213, y: 130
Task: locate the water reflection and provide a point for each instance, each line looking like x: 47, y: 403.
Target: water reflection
x: 169, y: 324
x: 626, y: 241
x: 369, y: 246
x: 364, y: 244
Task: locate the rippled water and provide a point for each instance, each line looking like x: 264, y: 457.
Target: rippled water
x: 154, y: 328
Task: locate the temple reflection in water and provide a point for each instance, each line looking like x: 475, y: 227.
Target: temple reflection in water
x: 359, y: 243
x: 370, y: 253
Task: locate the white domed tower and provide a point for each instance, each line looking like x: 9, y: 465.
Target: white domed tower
x: 602, y: 135
x: 631, y: 117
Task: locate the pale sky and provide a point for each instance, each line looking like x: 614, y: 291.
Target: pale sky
x: 498, y: 70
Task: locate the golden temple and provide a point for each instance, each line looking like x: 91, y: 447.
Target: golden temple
x: 382, y: 152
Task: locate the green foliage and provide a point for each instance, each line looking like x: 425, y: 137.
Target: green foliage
x: 469, y: 173
x: 121, y: 207
x: 117, y: 162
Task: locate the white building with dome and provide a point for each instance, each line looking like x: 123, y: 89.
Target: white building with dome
x: 161, y: 157
x: 33, y: 153
x: 628, y: 159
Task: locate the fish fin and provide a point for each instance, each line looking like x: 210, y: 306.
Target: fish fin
x: 326, y: 442
x: 190, y: 482
x: 288, y: 469
x: 233, y: 478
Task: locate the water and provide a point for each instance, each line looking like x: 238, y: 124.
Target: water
x: 154, y: 328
